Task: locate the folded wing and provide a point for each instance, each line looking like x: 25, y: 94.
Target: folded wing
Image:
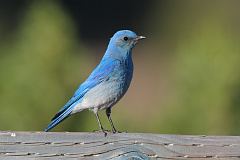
x: 101, y: 73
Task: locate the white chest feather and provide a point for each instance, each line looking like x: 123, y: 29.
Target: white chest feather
x: 102, y: 96
x: 108, y: 92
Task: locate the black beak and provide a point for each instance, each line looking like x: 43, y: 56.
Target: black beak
x: 139, y: 38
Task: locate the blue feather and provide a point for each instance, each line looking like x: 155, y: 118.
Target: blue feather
x: 108, y: 82
x: 100, y: 74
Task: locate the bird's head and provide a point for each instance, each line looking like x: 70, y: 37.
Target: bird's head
x: 125, y: 39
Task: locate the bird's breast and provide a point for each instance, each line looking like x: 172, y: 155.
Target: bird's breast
x: 111, y: 90
x: 123, y: 74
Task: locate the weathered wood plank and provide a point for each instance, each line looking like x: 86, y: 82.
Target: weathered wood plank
x: 59, y: 145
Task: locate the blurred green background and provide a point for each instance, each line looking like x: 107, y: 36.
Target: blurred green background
x: 186, y: 78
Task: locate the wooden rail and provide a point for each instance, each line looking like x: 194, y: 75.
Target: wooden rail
x: 75, y: 145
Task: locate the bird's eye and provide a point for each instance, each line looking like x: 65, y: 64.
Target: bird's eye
x: 125, y: 38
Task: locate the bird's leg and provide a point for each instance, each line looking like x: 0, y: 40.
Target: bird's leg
x: 108, y: 113
x: 100, y: 125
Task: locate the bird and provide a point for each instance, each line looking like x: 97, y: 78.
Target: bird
x: 107, y: 83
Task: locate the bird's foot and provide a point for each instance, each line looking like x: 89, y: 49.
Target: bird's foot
x: 116, y: 131
x: 102, y: 131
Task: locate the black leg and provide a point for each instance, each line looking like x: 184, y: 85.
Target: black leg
x: 100, y: 125
x: 108, y: 113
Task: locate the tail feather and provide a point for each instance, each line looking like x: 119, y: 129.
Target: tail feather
x: 55, y: 121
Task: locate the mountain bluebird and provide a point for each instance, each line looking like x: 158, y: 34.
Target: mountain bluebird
x: 108, y: 82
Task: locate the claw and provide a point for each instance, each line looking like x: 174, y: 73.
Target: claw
x: 105, y: 132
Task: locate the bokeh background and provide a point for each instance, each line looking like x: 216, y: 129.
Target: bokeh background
x: 186, y: 78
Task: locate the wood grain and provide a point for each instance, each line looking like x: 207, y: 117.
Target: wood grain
x: 78, y: 145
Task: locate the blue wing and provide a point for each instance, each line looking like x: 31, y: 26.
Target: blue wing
x: 101, y: 73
